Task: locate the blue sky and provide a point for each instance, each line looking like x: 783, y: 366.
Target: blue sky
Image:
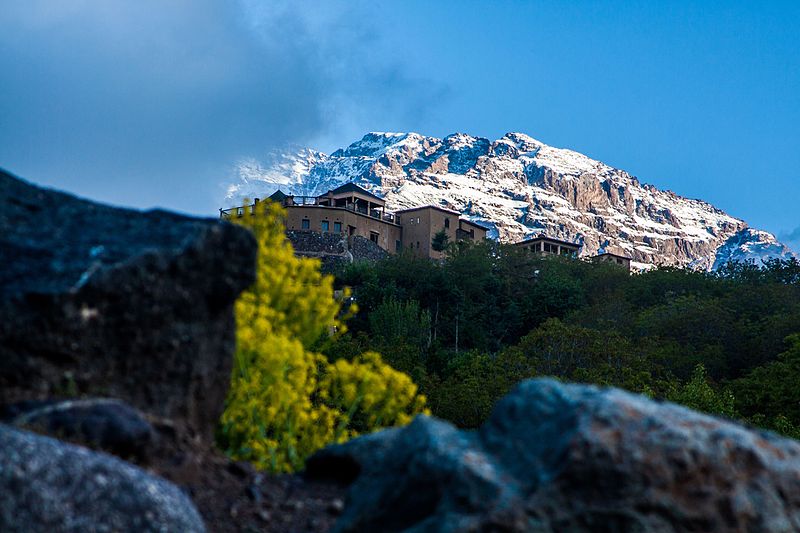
x: 150, y: 103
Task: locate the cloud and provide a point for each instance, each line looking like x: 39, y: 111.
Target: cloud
x: 791, y: 236
x: 150, y: 102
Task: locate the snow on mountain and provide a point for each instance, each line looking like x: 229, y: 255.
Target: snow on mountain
x: 520, y: 187
x: 286, y: 169
x: 751, y: 245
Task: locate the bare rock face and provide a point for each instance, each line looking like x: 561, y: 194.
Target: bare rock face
x: 48, y: 485
x: 101, y: 301
x: 556, y: 457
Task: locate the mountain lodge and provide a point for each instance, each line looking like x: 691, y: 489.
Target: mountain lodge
x: 353, y: 211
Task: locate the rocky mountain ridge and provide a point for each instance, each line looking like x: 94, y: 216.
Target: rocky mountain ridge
x: 520, y: 187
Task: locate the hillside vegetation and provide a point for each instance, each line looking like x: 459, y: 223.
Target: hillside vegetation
x: 470, y: 327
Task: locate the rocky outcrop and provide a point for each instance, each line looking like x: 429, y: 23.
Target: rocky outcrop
x: 555, y: 457
x: 48, y: 485
x: 102, y: 301
x: 117, y: 332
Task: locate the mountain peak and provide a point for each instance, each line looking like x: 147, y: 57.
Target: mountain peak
x: 519, y: 186
x: 524, y: 142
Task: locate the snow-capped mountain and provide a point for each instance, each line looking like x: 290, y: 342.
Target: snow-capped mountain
x: 520, y: 187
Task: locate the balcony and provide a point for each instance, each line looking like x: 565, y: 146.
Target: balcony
x: 313, y: 201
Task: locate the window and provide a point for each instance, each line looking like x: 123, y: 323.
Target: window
x: 337, y: 227
x: 239, y: 211
x: 305, y: 224
x: 373, y: 236
x: 417, y: 245
x: 325, y: 226
x: 398, y: 246
x: 446, y: 222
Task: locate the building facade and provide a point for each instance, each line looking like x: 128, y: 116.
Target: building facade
x: 351, y: 211
x: 422, y: 224
x: 542, y: 244
x: 616, y: 259
x: 550, y: 246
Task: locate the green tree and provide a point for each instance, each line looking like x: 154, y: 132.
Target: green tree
x: 773, y: 389
x: 475, y: 382
x: 583, y: 354
x: 402, y: 332
x: 401, y: 322
x: 700, y: 395
x: 440, y: 241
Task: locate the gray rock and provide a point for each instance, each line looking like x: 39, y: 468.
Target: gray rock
x: 50, y: 486
x: 556, y: 457
x: 102, y: 301
x: 103, y: 423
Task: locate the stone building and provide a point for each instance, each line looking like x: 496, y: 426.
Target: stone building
x: 617, y: 259
x: 351, y: 211
x: 550, y: 246
x: 421, y: 224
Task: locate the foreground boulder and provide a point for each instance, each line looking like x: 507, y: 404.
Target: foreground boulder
x: 101, y: 301
x: 105, y: 424
x: 556, y: 457
x: 48, y: 486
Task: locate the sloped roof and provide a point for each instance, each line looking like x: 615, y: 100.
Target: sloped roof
x: 278, y: 196
x: 471, y: 223
x: 352, y: 187
x: 429, y: 206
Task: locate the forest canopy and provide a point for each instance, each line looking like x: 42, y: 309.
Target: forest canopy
x: 469, y: 327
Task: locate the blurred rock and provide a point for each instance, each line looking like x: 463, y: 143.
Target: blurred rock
x: 105, y: 424
x: 48, y: 485
x: 556, y: 457
x: 102, y: 301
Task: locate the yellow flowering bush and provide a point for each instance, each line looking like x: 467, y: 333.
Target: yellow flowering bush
x: 369, y: 394
x: 287, y: 401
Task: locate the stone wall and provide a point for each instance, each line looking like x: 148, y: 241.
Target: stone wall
x: 334, y: 249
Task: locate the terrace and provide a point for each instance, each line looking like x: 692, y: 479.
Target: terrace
x: 355, y: 205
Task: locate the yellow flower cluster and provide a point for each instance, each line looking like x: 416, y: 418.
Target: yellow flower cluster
x: 287, y: 401
x: 370, y: 394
